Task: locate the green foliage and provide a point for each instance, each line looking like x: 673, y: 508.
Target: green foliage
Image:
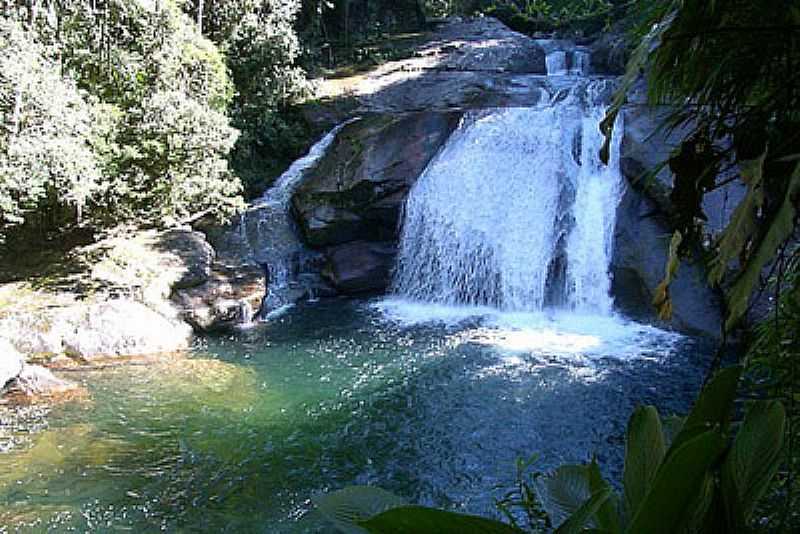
x: 46, y: 127
x: 709, y: 479
x: 522, y: 496
x: 582, y: 17
x: 772, y: 373
x: 645, y: 448
x: 140, y: 135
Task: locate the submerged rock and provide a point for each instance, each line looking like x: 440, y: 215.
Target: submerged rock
x: 36, y: 382
x: 11, y: 362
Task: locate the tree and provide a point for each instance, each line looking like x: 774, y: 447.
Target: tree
x: 46, y: 157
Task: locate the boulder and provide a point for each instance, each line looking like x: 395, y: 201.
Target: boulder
x: 120, y: 327
x: 11, y: 362
x: 151, y: 264
x: 35, y: 381
x: 641, y: 249
x: 360, y: 267
x: 356, y: 192
x: 224, y: 299
x: 89, y: 330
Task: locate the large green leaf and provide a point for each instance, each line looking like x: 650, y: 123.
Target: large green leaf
x: 672, y: 425
x: 713, y: 406
x: 780, y: 229
x: 577, y: 521
x: 345, y: 508
x: 671, y: 501
x: 644, y: 450
x: 564, y: 492
x: 756, y: 454
x: 607, y: 514
x: 421, y: 520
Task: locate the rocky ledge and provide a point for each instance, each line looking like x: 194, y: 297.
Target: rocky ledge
x: 125, y: 297
x: 350, y: 204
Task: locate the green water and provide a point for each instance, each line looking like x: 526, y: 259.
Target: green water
x: 239, y: 437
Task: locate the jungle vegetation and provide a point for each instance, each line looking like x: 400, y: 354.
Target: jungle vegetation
x: 155, y: 113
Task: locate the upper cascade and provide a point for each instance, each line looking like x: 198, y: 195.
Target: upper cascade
x: 564, y: 58
x: 517, y: 211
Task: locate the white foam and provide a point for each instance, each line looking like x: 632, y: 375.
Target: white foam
x: 558, y: 333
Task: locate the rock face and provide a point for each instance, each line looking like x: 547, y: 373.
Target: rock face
x: 641, y: 249
x: 349, y: 205
x: 360, y: 267
x: 643, y: 233
x: 357, y: 190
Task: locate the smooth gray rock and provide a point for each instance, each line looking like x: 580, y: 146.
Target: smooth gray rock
x: 360, y: 267
x: 356, y: 192
x: 641, y: 249
x: 90, y: 330
x: 646, y: 146
x: 120, y: 327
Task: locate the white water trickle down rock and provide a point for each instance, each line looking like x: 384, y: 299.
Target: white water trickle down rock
x: 556, y: 62
x: 269, y: 230
x: 515, y: 203
x: 563, y: 58
x: 591, y: 242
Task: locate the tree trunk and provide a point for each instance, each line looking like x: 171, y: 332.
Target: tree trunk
x: 33, y: 12
x: 200, y: 5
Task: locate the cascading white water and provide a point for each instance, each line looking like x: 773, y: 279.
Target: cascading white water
x: 516, y: 202
x: 268, y: 229
x: 591, y: 241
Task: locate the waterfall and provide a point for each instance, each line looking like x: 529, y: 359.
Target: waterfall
x: 563, y: 58
x: 269, y: 231
x: 516, y: 212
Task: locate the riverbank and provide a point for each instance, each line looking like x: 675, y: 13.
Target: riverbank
x: 135, y: 295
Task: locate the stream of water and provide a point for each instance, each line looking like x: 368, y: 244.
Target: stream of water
x: 499, y: 342
x: 239, y: 437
